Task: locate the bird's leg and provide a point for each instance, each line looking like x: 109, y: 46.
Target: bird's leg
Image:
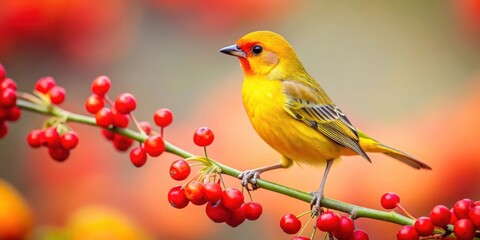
x: 318, y: 195
x: 251, y: 176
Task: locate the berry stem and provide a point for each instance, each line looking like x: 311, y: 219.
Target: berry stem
x: 267, y: 185
x: 305, y: 213
x: 196, y: 164
x: 306, y: 225
x: 137, y: 125
x: 29, y: 97
x: 205, y: 152
x: 221, y: 180
x: 249, y: 195
x: 108, y: 101
x: 399, y: 206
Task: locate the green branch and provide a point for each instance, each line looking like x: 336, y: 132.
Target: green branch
x: 355, y: 210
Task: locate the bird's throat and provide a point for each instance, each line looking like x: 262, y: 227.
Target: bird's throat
x: 247, y: 70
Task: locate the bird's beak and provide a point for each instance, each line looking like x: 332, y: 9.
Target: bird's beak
x: 233, y: 50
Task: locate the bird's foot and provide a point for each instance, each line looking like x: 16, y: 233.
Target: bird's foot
x: 315, y: 203
x: 250, y: 177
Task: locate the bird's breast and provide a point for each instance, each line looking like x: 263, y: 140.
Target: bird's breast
x: 262, y: 99
x: 264, y: 102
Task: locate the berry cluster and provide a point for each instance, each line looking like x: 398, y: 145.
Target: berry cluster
x: 59, y: 141
x: 339, y: 227
x: 47, y: 86
x: 56, y: 136
x: 118, y: 115
x: 222, y: 204
x: 8, y: 102
x: 464, y: 217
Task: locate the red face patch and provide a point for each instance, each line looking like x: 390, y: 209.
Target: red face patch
x: 246, y: 47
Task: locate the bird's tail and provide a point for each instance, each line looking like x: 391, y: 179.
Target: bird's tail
x: 371, y: 145
x: 403, y: 157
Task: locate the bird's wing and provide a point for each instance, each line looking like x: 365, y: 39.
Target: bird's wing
x: 308, y: 103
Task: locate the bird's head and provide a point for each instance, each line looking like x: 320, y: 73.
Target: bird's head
x: 266, y: 54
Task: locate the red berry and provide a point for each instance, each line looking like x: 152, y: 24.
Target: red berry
x: 119, y: 120
x: 138, y: 156
x: 407, y: 233
x: 8, y: 83
x: 453, y: 217
x: 125, y: 103
x: 217, y: 212
x: 300, y: 238
x: 58, y: 153
x: 232, y: 198
x: 3, y: 114
x: 52, y: 138
x: 199, y: 202
x: 94, y: 103
x: 154, y: 145
x: 203, y: 137
x: 163, y: 117
x: 146, y: 127
x: 462, y: 208
x: 194, y: 191
x: 345, y: 228
x: 328, y: 221
x: 44, y: 84
x: 237, y: 217
x: 69, y: 140
x: 179, y: 170
x: 35, y: 138
x: 108, y: 134
x: 8, y: 98
x: 3, y: 73
x: 359, y: 235
x: 57, y: 94
x: 389, y: 200
x: 13, y: 114
x: 290, y: 224
x: 252, y: 210
x: 464, y: 229
x: 101, y: 85
x: 3, y: 129
x: 440, y: 216
x: 177, y: 198
x: 104, y: 117
x: 424, y: 226
x: 474, y: 215
x: 213, y: 192
x: 122, y: 143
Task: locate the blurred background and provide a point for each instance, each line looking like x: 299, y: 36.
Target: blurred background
x: 406, y: 72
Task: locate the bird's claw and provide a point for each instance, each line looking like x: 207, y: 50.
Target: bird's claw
x: 315, y: 203
x: 250, y: 177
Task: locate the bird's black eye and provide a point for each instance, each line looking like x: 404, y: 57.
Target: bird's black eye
x: 257, y: 49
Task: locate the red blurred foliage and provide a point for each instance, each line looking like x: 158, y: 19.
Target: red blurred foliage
x: 468, y: 14
x: 78, y: 29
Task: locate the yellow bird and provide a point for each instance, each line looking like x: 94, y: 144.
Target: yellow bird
x: 293, y: 114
